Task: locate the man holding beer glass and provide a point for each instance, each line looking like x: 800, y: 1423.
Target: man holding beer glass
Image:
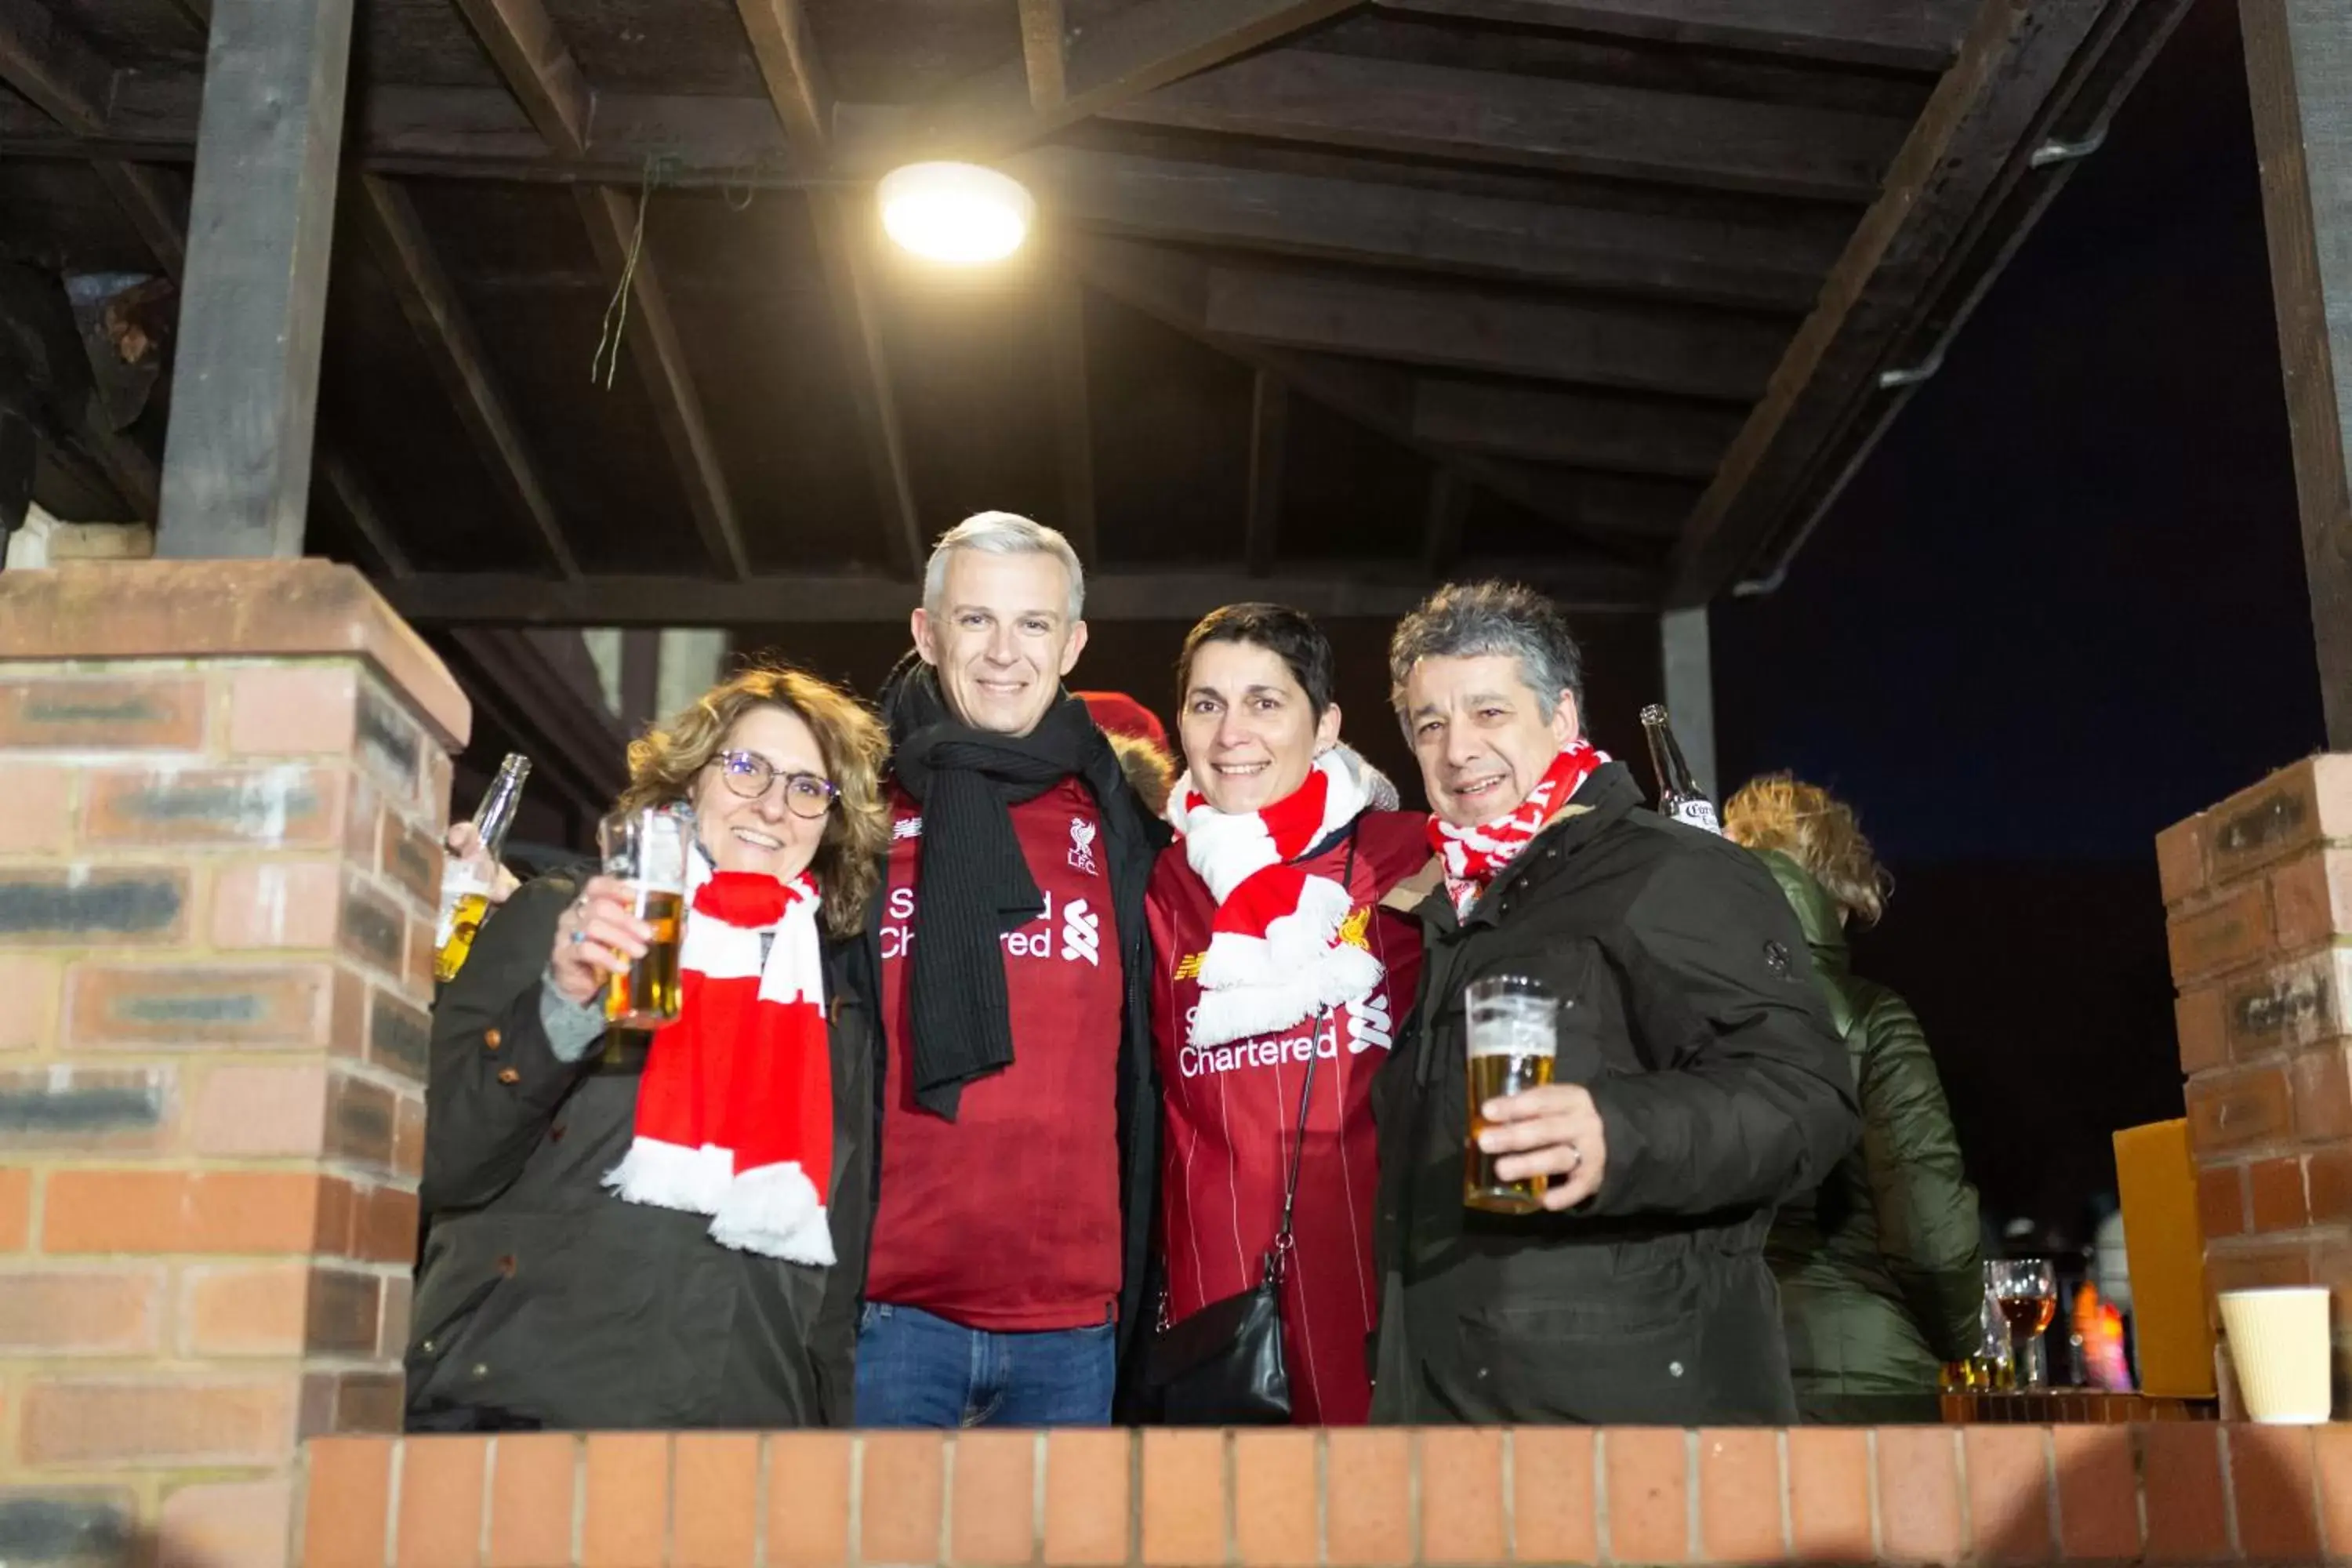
x: 1617, y: 1068
x: 650, y: 1117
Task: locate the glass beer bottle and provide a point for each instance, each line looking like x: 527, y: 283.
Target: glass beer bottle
x: 465, y: 893
x: 1679, y: 795
x: 647, y: 850
x: 1513, y: 1024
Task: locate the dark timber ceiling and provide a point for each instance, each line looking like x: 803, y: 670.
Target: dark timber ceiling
x: 1328, y: 299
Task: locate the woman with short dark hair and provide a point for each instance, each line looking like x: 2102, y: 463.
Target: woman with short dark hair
x: 667, y: 1230
x: 1274, y: 959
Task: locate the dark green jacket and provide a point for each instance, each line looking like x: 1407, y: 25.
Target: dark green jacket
x: 544, y: 1299
x: 1721, y: 1088
x: 1880, y: 1274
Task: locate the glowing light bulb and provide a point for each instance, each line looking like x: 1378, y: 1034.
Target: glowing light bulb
x: 957, y: 213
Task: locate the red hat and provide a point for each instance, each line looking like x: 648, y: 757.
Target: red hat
x: 1123, y: 715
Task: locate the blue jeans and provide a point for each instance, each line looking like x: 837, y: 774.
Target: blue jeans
x: 915, y: 1369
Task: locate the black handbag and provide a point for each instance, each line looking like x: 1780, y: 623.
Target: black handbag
x: 1221, y: 1366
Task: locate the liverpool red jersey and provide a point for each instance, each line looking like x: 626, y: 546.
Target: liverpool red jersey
x: 1233, y: 1116
x: 1007, y: 1218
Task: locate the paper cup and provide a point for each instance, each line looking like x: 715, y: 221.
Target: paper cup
x: 2279, y: 1345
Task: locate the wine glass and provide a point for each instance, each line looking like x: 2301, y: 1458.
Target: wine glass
x: 2027, y: 1291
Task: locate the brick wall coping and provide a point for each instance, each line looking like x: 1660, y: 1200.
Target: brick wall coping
x: 192, y: 609
x: 2168, y: 1492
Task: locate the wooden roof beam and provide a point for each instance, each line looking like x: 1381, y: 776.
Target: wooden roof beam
x: 1552, y: 424
x: 1120, y: 56
x: 48, y: 63
x: 798, y: 87
x: 396, y: 236
x: 802, y: 96
x: 529, y: 50
x: 847, y: 599
x: 1904, y: 35
x: 1637, y: 348
x: 1065, y: 334
x: 1045, y: 45
x: 1174, y: 289
x: 1269, y: 434
x: 2013, y: 87
x: 530, y: 53
x: 1441, y: 530
x: 1579, y: 127
x: 612, y: 219
x: 1406, y: 226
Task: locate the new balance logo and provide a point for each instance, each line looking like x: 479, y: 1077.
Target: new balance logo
x: 1369, y: 1025
x: 1081, y: 932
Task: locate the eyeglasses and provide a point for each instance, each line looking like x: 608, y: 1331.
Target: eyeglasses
x: 749, y: 774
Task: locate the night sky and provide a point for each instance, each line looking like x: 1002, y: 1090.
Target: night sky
x: 2061, y: 607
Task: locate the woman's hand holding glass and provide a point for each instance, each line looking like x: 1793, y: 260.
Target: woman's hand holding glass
x: 597, y: 938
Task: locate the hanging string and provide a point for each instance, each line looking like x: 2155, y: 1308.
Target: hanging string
x: 617, y: 310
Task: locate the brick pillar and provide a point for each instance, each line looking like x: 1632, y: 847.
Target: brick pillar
x: 222, y: 788
x: 2258, y: 891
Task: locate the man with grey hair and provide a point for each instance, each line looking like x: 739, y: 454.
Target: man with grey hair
x: 1019, y: 1124
x: 1608, y: 1265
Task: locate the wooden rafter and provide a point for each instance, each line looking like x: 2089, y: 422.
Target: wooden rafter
x: 1556, y: 424
x: 1905, y: 35
x: 839, y: 599
x: 1122, y: 55
x: 611, y: 218
x: 1045, y: 44
x: 2299, y: 73
x: 1409, y: 227
x: 2015, y: 81
x: 525, y: 44
x: 1299, y: 95
x: 799, y: 91
x: 531, y: 54
x: 350, y: 492
x: 1065, y: 340
x: 800, y: 97
x: 396, y: 236
x: 1174, y: 289
x: 50, y: 64
x: 1597, y: 345
x: 1441, y: 530
x: 1269, y: 439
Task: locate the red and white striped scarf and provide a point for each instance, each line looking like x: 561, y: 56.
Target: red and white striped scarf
x: 1274, y: 955
x: 1473, y: 855
x: 735, y: 1109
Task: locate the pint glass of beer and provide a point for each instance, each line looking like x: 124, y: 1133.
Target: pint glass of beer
x: 1514, y: 1035
x: 646, y: 851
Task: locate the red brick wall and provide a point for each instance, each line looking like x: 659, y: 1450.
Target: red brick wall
x: 2259, y: 895
x: 2184, y: 1492
x: 222, y: 787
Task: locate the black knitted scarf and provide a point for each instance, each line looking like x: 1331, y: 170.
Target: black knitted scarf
x: 974, y: 884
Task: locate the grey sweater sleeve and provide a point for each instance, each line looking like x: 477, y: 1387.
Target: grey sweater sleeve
x: 571, y: 1026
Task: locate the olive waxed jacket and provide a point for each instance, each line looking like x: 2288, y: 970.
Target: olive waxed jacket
x: 1722, y: 1090
x: 545, y: 1299
x: 1879, y: 1268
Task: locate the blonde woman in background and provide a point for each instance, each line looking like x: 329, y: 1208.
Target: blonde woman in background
x: 1879, y: 1268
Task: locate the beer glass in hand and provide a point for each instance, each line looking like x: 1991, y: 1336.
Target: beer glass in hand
x: 1514, y: 1032
x: 647, y: 850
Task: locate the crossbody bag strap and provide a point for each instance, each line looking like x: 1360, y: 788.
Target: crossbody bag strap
x: 1278, y: 1256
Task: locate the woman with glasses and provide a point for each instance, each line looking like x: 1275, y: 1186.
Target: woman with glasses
x: 634, y: 1230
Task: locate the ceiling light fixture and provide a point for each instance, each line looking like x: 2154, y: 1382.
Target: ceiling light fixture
x: 957, y: 213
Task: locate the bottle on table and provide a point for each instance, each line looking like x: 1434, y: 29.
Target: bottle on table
x: 464, y: 889
x: 1679, y: 795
